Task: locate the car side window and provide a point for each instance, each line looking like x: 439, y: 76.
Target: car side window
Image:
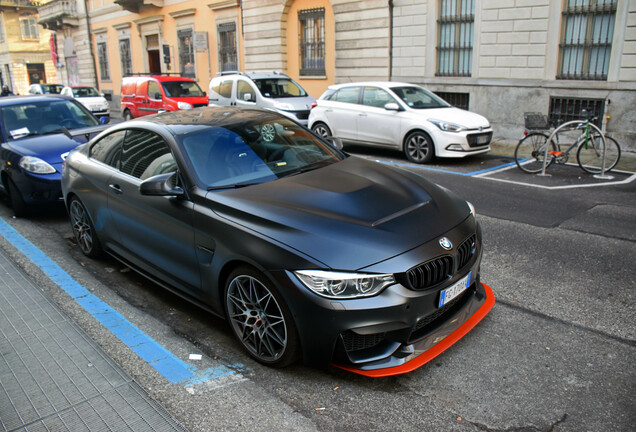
x: 243, y: 88
x: 347, y: 95
x: 145, y: 154
x: 225, y: 89
x: 108, y: 148
x: 376, y: 97
x: 153, y: 89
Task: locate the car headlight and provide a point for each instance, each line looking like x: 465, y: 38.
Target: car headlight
x: 447, y: 126
x: 342, y: 285
x: 35, y: 165
x: 184, y: 105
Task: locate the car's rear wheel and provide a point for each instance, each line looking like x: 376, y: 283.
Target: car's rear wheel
x: 260, y: 318
x: 17, y: 202
x: 83, y: 229
x: 419, y: 148
x: 127, y: 115
x: 321, y: 129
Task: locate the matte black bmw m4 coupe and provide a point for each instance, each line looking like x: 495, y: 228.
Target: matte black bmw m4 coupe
x: 307, y: 252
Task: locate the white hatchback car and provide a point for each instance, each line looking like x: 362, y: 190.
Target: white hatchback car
x: 402, y: 116
x: 91, y: 99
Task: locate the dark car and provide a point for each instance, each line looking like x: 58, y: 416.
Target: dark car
x: 306, y: 251
x: 36, y: 135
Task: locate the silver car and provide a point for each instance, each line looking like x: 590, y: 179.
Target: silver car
x: 270, y: 90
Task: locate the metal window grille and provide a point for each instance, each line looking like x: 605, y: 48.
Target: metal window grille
x: 312, y: 41
x: 586, y: 39
x: 29, y: 27
x: 186, y: 53
x: 228, y: 59
x: 455, y: 37
x: 459, y: 100
x: 564, y: 109
x: 126, y: 58
x: 102, y: 56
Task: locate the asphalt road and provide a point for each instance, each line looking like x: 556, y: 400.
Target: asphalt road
x: 556, y: 353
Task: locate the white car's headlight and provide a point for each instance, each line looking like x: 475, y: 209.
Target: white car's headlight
x: 35, y: 165
x: 184, y: 105
x: 447, y: 126
x: 342, y: 285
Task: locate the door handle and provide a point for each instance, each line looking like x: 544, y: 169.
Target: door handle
x: 116, y: 188
x: 362, y: 114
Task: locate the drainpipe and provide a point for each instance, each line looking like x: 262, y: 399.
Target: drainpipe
x: 90, y: 43
x: 390, y: 39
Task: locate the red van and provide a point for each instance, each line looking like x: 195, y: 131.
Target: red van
x: 149, y: 94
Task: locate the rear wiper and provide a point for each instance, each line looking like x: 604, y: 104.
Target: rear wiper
x: 231, y: 186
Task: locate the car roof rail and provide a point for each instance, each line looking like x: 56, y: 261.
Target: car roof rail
x: 229, y: 73
x: 268, y: 72
x: 153, y: 74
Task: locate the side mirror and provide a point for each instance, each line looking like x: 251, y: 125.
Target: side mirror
x: 157, y: 95
x: 205, y: 94
x: 102, y: 94
x: 335, y: 142
x: 247, y: 97
x: 392, y: 106
x: 161, y: 185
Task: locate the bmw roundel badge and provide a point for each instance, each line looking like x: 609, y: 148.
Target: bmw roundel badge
x: 445, y: 243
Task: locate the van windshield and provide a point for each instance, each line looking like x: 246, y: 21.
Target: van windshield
x: 182, y: 89
x: 279, y: 88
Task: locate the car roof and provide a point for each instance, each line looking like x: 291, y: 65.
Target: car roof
x: 160, y: 77
x: 17, y: 100
x: 255, y: 74
x: 373, y: 84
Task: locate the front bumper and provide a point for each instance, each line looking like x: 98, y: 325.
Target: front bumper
x: 462, y: 144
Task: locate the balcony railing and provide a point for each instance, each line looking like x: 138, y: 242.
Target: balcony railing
x: 19, y: 4
x: 138, y: 5
x: 58, y: 14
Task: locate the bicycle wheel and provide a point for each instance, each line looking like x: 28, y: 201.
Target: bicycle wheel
x: 530, y: 152
x: 590, y: 154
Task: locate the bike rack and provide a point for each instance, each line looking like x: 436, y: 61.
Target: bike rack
x: 572, y: 123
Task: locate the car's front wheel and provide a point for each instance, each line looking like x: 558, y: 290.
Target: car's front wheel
x: 321, y: 129
x: 17, y: 202
x: 83, y: 229
x: 260, y: 318
x: 419, y: 148
x: 127, y: 115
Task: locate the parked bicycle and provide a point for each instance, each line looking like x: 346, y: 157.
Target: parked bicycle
x: 531, y: 150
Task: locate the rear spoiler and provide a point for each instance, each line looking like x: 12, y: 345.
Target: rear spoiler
x: 87, y: 131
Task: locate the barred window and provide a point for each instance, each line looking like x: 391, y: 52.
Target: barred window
x: 102, y: 57
x: 586, y: 39
x: 312, y: 41
x: 29, y: 27
x: 126, y: 58
x: 565, y: 109
x: 228, y: 60
x: 455, y: 37
x: 186, y: 53
x: 459, y: 100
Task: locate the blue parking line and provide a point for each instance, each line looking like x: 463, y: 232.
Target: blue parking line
x: 165, y: 362
x: 470, y: 174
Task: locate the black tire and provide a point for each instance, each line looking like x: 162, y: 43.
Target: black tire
x: 17, y: 202
x: 590, y: 155
x: 419, y: 147
x: 260, y: 318
x: 530, y: 152
x: 83, y: 229
x: 321, y: 130
x: 127, y: 115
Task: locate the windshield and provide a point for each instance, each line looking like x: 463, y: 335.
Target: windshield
x: 255, y: 151
x: 43, y: 118
x: 182, y: 89
x: 419, y: 98
x: 51, y: 88
x: 279, y: 88
x: 85, y: 92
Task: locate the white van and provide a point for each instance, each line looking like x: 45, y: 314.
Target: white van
x: 273, y: 90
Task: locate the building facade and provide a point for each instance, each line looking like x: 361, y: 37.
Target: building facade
x: 25, y: 47
x: 499, y: 58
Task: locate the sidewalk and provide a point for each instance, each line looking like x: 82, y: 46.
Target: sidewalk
x: 55, y: 377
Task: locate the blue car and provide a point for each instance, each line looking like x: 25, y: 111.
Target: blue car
x: 37, y: 132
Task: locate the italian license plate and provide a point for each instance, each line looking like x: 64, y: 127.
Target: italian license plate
x: 459, y: 287
x: 482, y: 139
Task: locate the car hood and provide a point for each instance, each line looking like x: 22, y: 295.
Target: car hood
x: 93, y: 100
x: 47, y: 147
x: 297, y: 103
x: 458, y: 116
x: 347, y: 215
